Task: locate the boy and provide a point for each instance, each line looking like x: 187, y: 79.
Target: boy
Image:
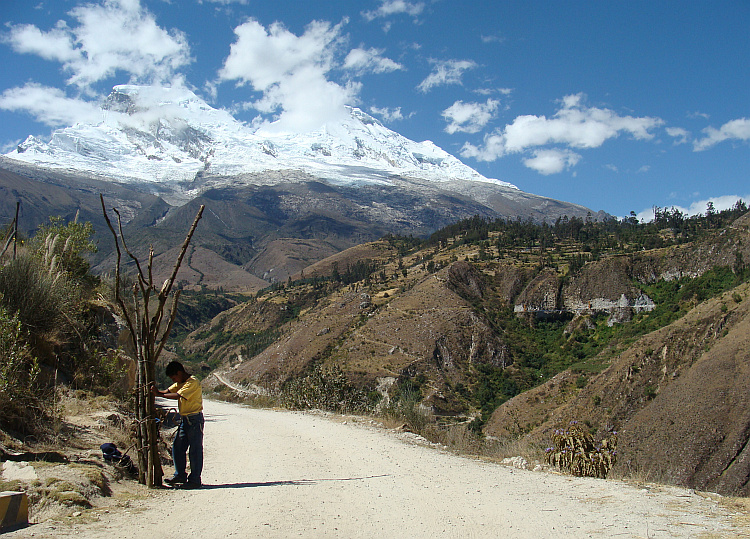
x: 186, y: 390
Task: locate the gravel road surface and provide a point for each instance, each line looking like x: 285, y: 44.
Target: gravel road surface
x: 283, y: 474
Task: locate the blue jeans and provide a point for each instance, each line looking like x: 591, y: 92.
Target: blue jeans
x: 189, y: 436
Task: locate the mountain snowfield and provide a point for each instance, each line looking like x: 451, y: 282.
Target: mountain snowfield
x: 171, y: 136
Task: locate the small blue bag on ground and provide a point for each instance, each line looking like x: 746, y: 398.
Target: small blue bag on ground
x: 114, y: 456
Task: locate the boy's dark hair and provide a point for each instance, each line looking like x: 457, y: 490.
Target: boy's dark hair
x: 173, y: 367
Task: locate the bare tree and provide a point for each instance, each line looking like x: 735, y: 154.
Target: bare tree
x: 144, y: 317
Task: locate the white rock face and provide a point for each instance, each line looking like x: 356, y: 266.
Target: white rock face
x: 170, y: 135
x: 18, y: 471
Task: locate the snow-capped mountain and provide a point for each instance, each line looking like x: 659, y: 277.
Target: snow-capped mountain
x: 275, y: 202
x: 171, y: 136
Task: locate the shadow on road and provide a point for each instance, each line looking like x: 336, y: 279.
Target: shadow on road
x: 282, y: 483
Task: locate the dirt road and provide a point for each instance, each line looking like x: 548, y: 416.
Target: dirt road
x: 281, y: 474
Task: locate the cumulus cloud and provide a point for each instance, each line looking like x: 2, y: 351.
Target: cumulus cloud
x: 552, y: 161
x: 49, y: 105
x: 116, y: 35
x: 574, y: 125
x: 371, y: 60
x: 445, y: 72
x: 680, y: 135
x: 733, y: 130
x: 57, y: 44
x: 291, y: 72
x: 388, y: 8
x: 469, y: 117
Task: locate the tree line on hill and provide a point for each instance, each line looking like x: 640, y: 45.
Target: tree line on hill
x: 670, y: 226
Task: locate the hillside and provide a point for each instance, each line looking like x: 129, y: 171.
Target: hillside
x: 517, y: 340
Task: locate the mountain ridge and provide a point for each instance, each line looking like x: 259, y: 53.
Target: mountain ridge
x: 155, y: 153
x: 171, y: 136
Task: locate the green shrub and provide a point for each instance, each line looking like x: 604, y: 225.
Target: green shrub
x: 65, y: 243
x: 21, y: 398
x: 325, y: 388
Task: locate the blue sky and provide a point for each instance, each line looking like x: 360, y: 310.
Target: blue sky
x: 618, y: 105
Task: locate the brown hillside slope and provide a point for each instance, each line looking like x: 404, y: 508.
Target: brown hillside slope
x: 678, y: 397
x: 427, y: 329
x: 379, y: 251
x: 696, y: 431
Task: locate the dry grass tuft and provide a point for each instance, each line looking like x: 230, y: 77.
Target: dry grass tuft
x: 574, y: 451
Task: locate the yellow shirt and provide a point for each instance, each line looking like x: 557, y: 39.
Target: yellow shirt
x: 191, y: 396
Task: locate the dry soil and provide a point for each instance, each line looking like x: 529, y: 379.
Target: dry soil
x: 282, y: 474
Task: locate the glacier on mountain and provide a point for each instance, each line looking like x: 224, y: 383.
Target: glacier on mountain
x: 170, y: 135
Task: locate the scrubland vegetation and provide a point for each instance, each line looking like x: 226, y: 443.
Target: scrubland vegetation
x: 56, y: 323
x: 53, y: 314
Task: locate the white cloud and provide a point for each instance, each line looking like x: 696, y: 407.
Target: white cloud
x: 291, y: 72
x: 388, y: 8
x: 369, y: 61
x: 445, y: 72
x: 390, y: 114
x: 49, y: 105
x: 733, y: 130
x: 643, y: 169
x: 612, y: 167
x: 493, y: 38
x: 574, y: 125
x: 224, y: 2
x: 552, y: 161
x: 116, y: 35
x: 264, y: 58
x: 680, y: 135
x: 469, y: 117
x: 57, y: 44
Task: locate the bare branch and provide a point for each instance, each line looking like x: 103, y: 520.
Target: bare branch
x: 118, y: 298
x: 141, y: 278
x: 165, y: 291
x: 172, y: 316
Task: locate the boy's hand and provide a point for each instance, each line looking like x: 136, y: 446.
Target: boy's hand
x: 154, y: 391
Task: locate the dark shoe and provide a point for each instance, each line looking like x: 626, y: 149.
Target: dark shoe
x: 176, y: 480
x: 190, y: 485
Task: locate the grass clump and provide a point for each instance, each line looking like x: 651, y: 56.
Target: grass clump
x: 406, y: 405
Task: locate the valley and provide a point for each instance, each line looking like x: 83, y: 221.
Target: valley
x: 386, y: 279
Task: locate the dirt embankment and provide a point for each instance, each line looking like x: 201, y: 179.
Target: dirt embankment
x: 677, y: 396
x: 281, y: 474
